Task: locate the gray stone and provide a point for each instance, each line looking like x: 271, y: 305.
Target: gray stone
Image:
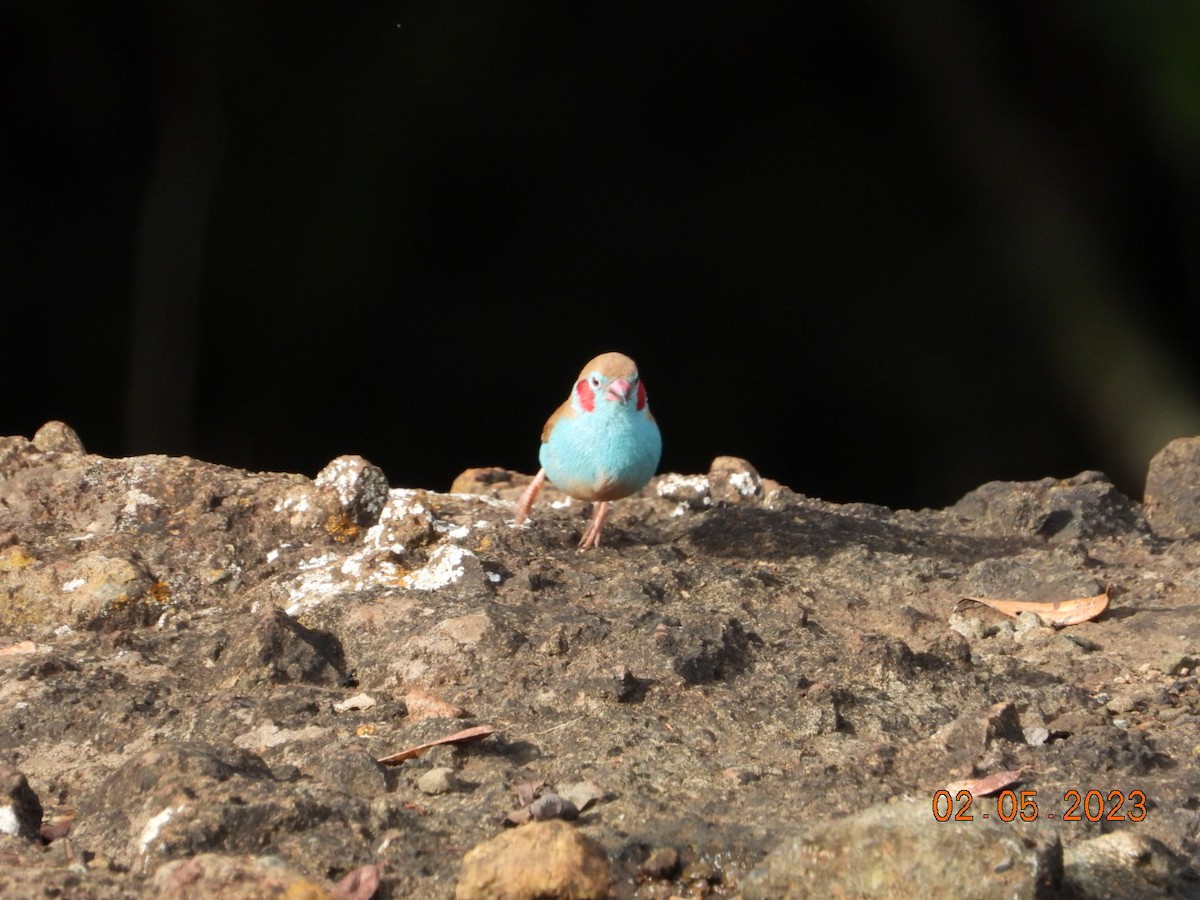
x: 1172, y: 498
x: 1127, y: 864
x: 900, y: 850
x: 439, y: 780
x: 1087, y: 505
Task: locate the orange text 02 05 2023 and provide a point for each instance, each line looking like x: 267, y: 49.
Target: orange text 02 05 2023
x: 1027, y: 806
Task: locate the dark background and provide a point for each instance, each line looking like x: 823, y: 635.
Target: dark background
x: 885, y: 251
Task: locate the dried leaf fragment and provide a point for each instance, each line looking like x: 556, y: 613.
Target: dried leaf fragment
x: 583, y: 794
x: 423, y: 705
x: 991, y: 784
x: 479, y: 732
x: 1060, y: 612
x: 358, y: 701
x: 360, y: 884
x: 20, y: 648
x: 527, y: 790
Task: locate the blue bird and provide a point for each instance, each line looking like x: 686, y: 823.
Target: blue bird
x: 602, y: 444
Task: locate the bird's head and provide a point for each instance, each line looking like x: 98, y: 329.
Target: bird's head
x: 610, y: 378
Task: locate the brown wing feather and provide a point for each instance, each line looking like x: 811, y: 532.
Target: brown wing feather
x: 564, y: 410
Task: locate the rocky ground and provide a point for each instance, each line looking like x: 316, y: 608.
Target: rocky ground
x: 743, y: 692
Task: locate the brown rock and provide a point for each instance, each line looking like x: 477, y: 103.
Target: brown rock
x: 1172, y: 499
x: 733, y: 480
x: 233, y: 878
x: 57, y: 437
x: 361, y: 488
x: 274, y: 648
x: 544, y: 859
x: 978, y: 730
x: 489, y: 480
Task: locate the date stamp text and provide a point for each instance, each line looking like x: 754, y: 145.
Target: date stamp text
x: 1075, y: 806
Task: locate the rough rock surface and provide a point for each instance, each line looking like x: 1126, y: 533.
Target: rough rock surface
x: 891, y: 851
x: 200, y: 666
x: 1173, y: 490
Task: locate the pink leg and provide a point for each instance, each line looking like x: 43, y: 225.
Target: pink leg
x: 527, y: 498
x: 591, y: 534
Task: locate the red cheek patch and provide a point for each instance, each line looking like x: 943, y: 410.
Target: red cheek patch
x: 641, y: 403
x: 587, y: 397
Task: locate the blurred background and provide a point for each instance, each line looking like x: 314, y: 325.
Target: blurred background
x: 885, y: 251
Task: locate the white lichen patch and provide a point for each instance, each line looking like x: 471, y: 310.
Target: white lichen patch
x: 312, y: 589
x: 154, y: 826
x: 397, y: 518
x: 404, y: 502
x: 689, y: 491
x: 745, y: 483
x: 270, y: 735
x: 293, y: 503
x: 316, y: 562
x: 74, y: 584
x: 445, y: 567
x: 9, y: 824
x: 135, y: 498
x: 382, y: 560
x: 356, y: 483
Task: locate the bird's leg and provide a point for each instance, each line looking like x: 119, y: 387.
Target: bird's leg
x: 591, y: 534
x: 527, y: 498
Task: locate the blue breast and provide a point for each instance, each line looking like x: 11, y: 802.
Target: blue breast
x: 606, y: 454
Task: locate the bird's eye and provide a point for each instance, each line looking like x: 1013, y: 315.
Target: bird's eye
x: 595, y: 382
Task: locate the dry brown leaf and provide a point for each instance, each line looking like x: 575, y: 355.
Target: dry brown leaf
x: 527, y: 790
x: 479, y: 732
x: 982, y: 787
x: 1061, y: 612
x: 360, y: 884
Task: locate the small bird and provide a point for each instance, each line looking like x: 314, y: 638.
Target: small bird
x: 602, y: 444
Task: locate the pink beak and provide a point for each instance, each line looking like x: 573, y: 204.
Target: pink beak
x: 619, y: 390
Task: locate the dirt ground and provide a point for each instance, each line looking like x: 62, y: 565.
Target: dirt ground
x: 742, y: 692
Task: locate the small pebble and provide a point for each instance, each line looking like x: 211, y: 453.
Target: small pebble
x: 437, y: 781
x: 552, y: 806
x: 662, y: 863
x: 1035, y: 737
x: 583, y: 794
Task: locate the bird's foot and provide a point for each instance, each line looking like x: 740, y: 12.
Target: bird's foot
x: 525, y: 503
x: 591, y: 534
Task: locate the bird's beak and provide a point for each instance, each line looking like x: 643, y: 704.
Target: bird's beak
x: 619, y: 390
